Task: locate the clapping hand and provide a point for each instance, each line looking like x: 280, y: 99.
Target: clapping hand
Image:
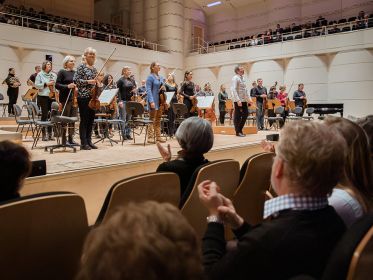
x: 228, y: 214
x: 165, y: 153
x: 267, y: 146
x: 209, y: 196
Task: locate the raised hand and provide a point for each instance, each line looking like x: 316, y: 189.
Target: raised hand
x: 228, y: 215
x: 165, y: 153
x: 209, y: 196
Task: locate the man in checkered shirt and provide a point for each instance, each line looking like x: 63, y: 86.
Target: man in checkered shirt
x: 300, y: 228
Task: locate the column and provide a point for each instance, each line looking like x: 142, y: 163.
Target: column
x: 137, y: 17
x: 151, y: 20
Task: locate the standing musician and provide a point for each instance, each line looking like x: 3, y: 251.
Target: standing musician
x: 282, y: 96
x: 261, y: 96
x: 45, y: 83
x: 126, y: 86
x: 209, y: 113
x: 13, y: 84
x: 142, y: 90
x: 112, y: 109
x: 252, y: 90
x: 223, y: 96
x: 88, y: 82
x: 67, y: 95
x: 187, y: 91
x: 31, y: 80
x: 155, y: 84
x: 299, y: 97
x: 240, y: 97
x: 272, y: 94
x: 171, y: 86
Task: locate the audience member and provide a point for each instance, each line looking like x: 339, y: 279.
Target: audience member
x: 353, y: 196
x: 367, y: 124
x: 148, y: 240
x: 195, y: 137
x: 302, y: 229
x: 15, y: 166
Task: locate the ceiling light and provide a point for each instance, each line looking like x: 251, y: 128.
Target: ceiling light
x: 214, y: 4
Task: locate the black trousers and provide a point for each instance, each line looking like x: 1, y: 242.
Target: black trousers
x: 45, y: 104
x: 70, y: 111
x: 240, y: 116
x: 222, y: 116
x: 271, y: 113
x: 87, y: 117
x: 12, y: 100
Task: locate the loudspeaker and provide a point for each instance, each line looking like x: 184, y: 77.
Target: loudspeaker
x: 38, y: 168
x: 273, y: 137
x: 49, y: 57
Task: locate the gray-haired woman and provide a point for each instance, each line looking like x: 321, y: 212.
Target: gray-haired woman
x: 195, y: 137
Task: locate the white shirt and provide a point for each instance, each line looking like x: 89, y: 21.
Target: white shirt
x: 239, y: 90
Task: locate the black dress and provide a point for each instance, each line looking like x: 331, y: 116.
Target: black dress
x: 170, y: 114
x: 187, y: 90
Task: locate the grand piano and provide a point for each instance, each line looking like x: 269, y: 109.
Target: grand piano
x: 326, y: 108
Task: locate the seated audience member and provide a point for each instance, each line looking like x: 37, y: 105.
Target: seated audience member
x: 15, y: 166
x: 367, y: 124
x: 195, y: 137
x: 148, y: 240
x: 300, y: 228
x: 353, y: 196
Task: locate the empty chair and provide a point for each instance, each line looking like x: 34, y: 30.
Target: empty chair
x: 22, y: 123
x: 136, y: 109
x: 226, y: 174
x: 181, y: 111
x: 295, y: 114
x: 42, y: 236
x: 3, y: 104
x: 309, y: 112
x: 157, y: 186
x: 278, y: 118
x: 250, y: 195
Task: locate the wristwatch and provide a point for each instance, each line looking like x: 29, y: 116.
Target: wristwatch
x: 214, y: 219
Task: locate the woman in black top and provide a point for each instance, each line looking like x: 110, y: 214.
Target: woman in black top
x: 195, y: 137
x: 171, y: 86
x: 13, y: 88
x: 65, y: 85
x: 187, y: 90
x: 223, y: 96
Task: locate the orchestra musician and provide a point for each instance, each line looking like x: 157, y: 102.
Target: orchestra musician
x: 252, y: 90
x: 126, y: 86
x: 154, y: 85
x: 171, y: 86
x: 223, y: 96
x: 142, y: 89
x: 67, y: 96
x: 88, y: 83
x: 112, y: 109
x: 209, y: 113
x: 13, y: 84
x: 187, y: 91
x: 240, y: 97
x: 282, y: 96
x: 272, y: 94
x: 31, y: 79
x: 261, y: 96
x: 299, y: 97
x: 45, y: 82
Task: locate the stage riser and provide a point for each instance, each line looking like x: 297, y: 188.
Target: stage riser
x: 229, y: 130
x: 93, y: 184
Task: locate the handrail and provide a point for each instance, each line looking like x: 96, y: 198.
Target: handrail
x: 323, y: 31
x: 46, y: 25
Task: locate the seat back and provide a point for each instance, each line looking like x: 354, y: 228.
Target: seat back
x: 42, y: 236
x: 279, y: 110
x: 226, y: 174
x: 310, y: 111
x: 157, y: 186
x: 179, y: 109
x: 297, y: 110
x: 134, y: 108
x: 250, y: 195
x: 17, y: 112
x: 35, y: 108
x: 343, y: 263
x: 1, y: 96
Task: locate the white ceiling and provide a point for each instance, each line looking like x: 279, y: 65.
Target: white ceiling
x: 226, y: 4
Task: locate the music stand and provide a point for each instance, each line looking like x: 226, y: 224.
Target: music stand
x: 205, y: 102
x: 31, y: 94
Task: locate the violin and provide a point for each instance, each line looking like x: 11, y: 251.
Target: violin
x: 75, y: 98
x: 94, y: 103
x: 52, y: 90
x: 194, y: 105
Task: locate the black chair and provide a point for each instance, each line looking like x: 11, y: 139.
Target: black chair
x: 22, y: 123
x: 3, y: 104
x: 180, y: 111
x: 39, y: 125
x: 136, y: 110
x: 278, y: 118
x: 309, y: 112
x: 351, y: 19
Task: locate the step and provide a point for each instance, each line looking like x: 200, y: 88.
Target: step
x: 229, y: 130
x: 13, y: 136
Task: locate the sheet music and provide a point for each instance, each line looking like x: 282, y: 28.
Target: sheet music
x: 205, y: 102
x: 169, y: 95
x: 107, y: 96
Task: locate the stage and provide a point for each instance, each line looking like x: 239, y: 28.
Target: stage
x: 92, y: 173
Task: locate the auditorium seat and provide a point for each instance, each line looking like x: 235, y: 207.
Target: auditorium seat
x: 157, y: 186
x: 255, y: 177
x: 225, y: 173
x: 343, y: 20
x: 351, y: 19
x: 42, y: 236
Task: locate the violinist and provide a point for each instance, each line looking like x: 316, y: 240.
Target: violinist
x: 240, y: 97
x: 272, y: 94
x: 171, y: 86
x: 261, y: 96
x: 88, y: 82
x: 282, y: 96
x: 154, y: 85
x: 31, y: 79
x: 299, y: 97
x: 187, y: 91
x: 45, y: 82
x: 13, y: 84
x: 223, y: 96
x: 67, y: 94
x: 126, y: 86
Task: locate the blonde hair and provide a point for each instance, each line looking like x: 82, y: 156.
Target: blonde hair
x: 314, y: 156
x: 125, y: 68
x: 66, y: 60
x: 89, y: 50
x: 148, y: 240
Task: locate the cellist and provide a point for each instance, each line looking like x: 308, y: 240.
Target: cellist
x: 67, y: 89
x: 87, y: 80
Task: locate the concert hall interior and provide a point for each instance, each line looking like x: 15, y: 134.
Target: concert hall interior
x: 186, y: 139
